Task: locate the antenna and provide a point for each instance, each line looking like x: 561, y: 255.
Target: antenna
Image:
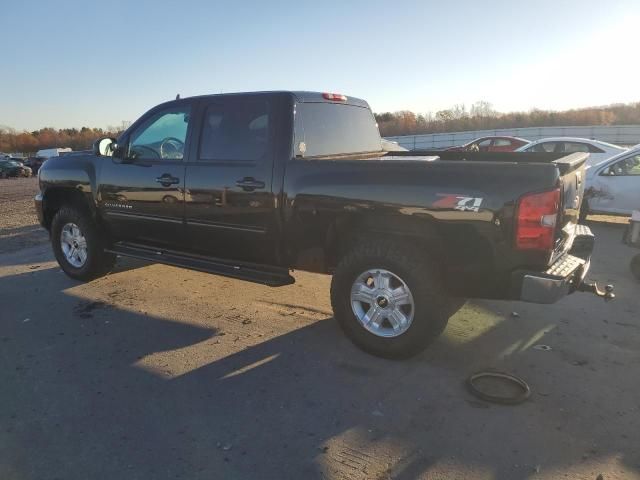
x: 178, y: 97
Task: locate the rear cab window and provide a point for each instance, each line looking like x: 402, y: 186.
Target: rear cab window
x: 327, y: 129
x: 236, y: 129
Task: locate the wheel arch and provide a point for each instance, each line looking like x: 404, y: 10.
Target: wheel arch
x: 345, y: 233
x: 55, y: 198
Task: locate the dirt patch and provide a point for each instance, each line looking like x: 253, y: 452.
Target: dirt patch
x: 19, y: 226
x: 85, y: 309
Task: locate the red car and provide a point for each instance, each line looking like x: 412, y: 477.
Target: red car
x: 491, y: 144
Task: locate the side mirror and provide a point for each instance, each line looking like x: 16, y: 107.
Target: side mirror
x: 104, y: 147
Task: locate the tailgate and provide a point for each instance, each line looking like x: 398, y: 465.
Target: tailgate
x: 572, y: 168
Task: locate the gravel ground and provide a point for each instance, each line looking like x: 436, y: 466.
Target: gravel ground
x: 18, y: 222
x: 155, y: 372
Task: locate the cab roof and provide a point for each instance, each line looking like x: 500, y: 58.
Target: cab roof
x: 301, y: 96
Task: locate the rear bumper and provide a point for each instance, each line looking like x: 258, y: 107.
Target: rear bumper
x: 546, y: 288
x: 565, y: 276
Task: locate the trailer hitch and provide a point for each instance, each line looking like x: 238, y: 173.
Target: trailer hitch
x: 592, y: 287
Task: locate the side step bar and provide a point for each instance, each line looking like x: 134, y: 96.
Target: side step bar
x: 266, y: 275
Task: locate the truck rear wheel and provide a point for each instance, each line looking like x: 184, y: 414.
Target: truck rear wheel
x: 584, y: 211
x: 389, y: 299
x: 78, y: 244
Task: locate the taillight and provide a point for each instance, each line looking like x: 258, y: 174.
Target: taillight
x: 334, y: 97
x: 536, y: 220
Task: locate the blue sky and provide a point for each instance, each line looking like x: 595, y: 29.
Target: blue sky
x: 74, y: 63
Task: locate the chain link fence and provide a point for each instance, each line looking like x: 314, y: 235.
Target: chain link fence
x: 625, y: 135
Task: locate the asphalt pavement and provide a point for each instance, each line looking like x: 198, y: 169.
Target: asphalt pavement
x: 154, y: 372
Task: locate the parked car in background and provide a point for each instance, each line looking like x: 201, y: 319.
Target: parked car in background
x: 13, y: 168
x: 491, y: 144
x: 598, y: 151
x: 52, y: 152
x: 389, y: 146
x: 613, y: 186
x: 34, y: 163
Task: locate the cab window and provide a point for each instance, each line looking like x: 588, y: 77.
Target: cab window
x: 572, y: 147
x: 162, y: 136
x: 236, y: 129
x: 625, y: 167
x: 545, y: 147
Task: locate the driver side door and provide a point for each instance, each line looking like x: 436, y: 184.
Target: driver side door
x: 141, y: 195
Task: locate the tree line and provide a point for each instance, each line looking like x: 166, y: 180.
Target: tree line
x: 482, y: 116
x: 30, y: 142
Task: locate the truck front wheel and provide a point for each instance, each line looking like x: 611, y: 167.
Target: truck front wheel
x: 389, y: 299
x: 78, y: 244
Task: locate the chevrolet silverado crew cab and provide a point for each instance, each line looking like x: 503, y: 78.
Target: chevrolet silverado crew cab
x: 254, y: 185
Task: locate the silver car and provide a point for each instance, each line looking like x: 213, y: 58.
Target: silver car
x: 613, y: 186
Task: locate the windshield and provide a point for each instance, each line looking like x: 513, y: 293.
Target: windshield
x: 335, y: 129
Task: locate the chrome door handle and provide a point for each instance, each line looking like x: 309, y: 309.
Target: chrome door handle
x: 167, y: 180
x: 249, y: 184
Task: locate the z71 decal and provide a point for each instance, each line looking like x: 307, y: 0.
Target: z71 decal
x: 458, y: 202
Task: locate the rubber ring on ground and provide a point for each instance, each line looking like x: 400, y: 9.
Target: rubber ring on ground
x: 526, y: 391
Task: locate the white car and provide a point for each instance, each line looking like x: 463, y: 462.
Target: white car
x: 598, y: 151
x: 391, y: 146
x: 613, y: 187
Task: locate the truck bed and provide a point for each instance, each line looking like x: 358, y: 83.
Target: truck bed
x: 467, y: 199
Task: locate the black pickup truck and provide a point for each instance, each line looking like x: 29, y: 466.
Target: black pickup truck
x: 254, y: 185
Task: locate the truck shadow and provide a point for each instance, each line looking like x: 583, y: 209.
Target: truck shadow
x: 79, y: 401
x: 18, y: 238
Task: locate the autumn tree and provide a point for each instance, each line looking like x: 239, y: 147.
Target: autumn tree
x: 30, y: 142
x: 482, y: 116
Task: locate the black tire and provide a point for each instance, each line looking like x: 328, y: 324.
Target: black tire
x: 584, y: 211
x: 98, y: 262
x: 635, y: 266
x: 423, y: 278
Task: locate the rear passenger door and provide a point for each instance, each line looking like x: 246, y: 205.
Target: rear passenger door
x: 230, y: 209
